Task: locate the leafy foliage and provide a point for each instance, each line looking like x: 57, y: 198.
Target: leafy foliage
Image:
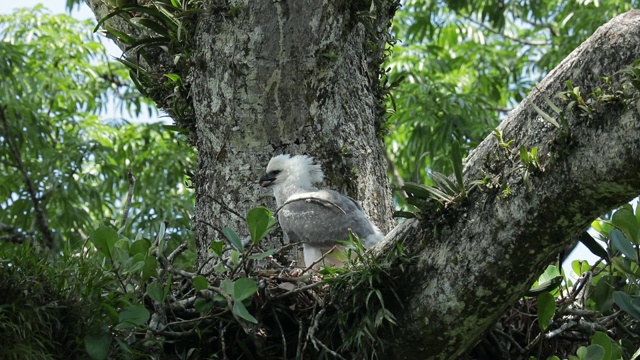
x: 62, y: 169
x: 595, y: 316
x: 46, y: 309
x: 460, y: 66
x: 163, y: 26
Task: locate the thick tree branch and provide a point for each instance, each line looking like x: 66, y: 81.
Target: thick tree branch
x: 491, y: 248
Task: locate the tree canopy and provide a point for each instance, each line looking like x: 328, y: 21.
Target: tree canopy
x: 64, y: 167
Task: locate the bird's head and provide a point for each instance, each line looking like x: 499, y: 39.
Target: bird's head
x: 298, y: 170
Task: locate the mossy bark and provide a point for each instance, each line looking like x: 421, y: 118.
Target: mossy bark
x: 492, y: 246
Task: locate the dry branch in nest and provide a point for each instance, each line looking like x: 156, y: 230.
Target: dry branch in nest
x: 517, y: 334
x: 333, y: 314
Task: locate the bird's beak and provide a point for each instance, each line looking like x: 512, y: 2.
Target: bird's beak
x: 267, y: 180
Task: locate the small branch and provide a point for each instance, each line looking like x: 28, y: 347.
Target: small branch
x: 318, y: 261
x: 167, y: 265
x: 127, y: 203
x: 179, y: 250
x: 284, y: 338
x: 300, y: 338
x: 560, y: 330
x: 13, y: 235
x: 317, y: 342
x: 531, y: 345
x: 297, y: 290
x: 184, y: 304
x: 16, y: 238
x: 40, y: 218
x: 222, y: 342
x: 510, y: 338
x: 177, y: 334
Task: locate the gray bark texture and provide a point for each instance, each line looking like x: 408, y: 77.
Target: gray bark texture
x: 491, y: 248
x: 297, y: 77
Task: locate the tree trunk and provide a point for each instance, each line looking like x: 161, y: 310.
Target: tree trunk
x: 302, y: 77
x: 297, y: 77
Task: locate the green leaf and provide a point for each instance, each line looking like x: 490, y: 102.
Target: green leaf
x: 622, y: 264
x: 553, y: 106
x: 628, y: 304
x: 233, y: 238
x: 154, y: 290
x: 603, y: 294
x: 602, y: 227
x: 134, y: 315
x: 244, y: 288
x: 545, y: 116
x: 134, y: 264
x: 141, y: 246
x: 226, y: 286
x: 111, y: 313
x: 404, y: 214
x: 200, y: 283
x: 241, y: 311
x: 622, y: 243
x: 625, y: 220
x: 153, y: 25
x: 600, y: 338
x: 104, y: 238
x: 119, y: 255
x: 150, y: 267
x: 203, y: 305
x: 260, y: 221
x: 524, y: 155
x: 456, y: 160
x: 175, y: 78
x: 550, y: 273
x: 443, y: 182
x: 592, y: 352
x: 546, y: 309
x: 545, y: 286
x: 593, y: 245
x: 217, y: 247
x: 167, y: 286
x: 161, y: 232
x: 119, y: 35
x: 97, y: 345
x: 123, y: 243
x: 580, y: 266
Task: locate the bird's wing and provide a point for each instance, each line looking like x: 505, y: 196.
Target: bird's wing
x: 322, y: 217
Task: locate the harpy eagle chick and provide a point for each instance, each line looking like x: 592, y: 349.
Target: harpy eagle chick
x: 317, y: 218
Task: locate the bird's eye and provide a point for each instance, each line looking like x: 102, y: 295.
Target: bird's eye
x: 275, y: 172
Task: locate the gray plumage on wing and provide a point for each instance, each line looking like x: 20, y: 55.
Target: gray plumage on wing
x: 317, y: 218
